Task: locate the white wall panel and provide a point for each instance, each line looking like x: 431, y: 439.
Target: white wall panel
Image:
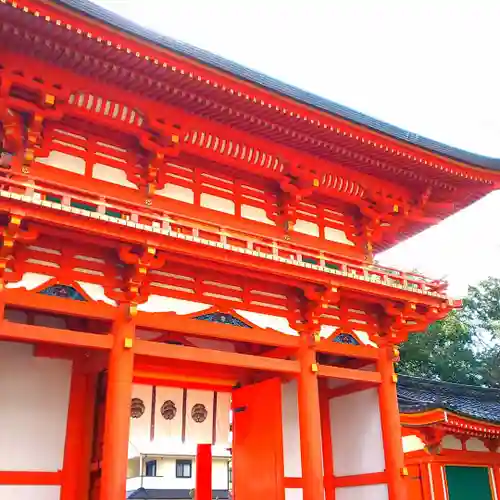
x: 30, y: 492
x: 356, y: 433
x: 35, y: 397
x: 291, y: 431
x: 369, y: 492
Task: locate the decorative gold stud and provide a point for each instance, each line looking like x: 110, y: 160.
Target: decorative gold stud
x: 128, y: 343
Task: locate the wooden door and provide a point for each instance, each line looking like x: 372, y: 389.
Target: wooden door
x: 468, y: 483
x: 413, y: 481
x: 97, y: 437
x: 258, y: 469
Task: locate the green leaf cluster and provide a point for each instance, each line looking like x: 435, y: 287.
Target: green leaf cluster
x: 464, y: 347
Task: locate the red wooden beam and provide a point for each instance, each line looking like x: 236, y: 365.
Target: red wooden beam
x: 31, y: 333
x: 213, y: 357
x: 347, y: 350
x: 349, y: 374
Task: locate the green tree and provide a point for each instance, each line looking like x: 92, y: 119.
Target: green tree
x: 444, y: 352
x: 465, y: 346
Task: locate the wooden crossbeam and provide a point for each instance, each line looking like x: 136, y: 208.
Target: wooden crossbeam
x: 349, y: 374
x: 351, y: 351
x: 31, y: 333
x: 213, y: 357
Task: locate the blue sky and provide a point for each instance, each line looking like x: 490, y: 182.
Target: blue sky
x: 430, y: 67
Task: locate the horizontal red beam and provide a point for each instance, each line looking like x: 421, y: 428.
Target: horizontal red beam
x: 24, y: 299
x: 350, y: 351
x: 349, y: 374
x: 28, y: 478
x: 359, y: 480
x: 213, y: 357
x: 32, y: 333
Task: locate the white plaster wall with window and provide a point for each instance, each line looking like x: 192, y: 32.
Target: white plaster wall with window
x: 168, y: 468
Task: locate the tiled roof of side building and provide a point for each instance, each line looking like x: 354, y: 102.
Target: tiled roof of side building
x: 94, y: 11
x: 416, y: 395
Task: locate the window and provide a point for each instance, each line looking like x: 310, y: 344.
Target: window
x: 183, y: 468
x: 151, y: 468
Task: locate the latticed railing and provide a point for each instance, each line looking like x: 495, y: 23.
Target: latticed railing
x: 84, y: 203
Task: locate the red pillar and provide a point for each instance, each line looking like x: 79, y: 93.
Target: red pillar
x: 203, y: 489
x: 391, y: 425
x: 117, y: 415
x: 78, y: 445
x: 309, y: 421
x: 326, y: 440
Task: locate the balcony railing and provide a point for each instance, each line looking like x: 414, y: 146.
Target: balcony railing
x: 87, y: 204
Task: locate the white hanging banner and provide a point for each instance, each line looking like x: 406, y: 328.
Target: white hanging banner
x: 199, y: 417
x: 140, y: 416
x: 168, y: 414
x: 222, y: 425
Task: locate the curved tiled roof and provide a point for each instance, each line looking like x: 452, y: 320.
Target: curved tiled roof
x: 92, y: 10
x: 416, y: 395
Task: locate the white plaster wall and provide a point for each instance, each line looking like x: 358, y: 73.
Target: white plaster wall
x: 293, y: 494
x: 29, y: 492
x: 412, y: 443
x: 291, y: 431
x: 64, y: 161
x: 217, y: 203
x: 179, y: 193
x: 111, y: 174
x: 306, y: 227
x: 256, y: 214
x: 35, y: 396
x: 451, y: 443
x: 475, y: 444
x: 166, y: 469
x: 357, y: 434
x: 369, y: 492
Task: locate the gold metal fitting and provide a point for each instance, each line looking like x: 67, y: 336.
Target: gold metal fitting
x: 143, y: 270
x: 315, y: 368
x: 132, y: 310
x: 395, y: 352
x: 316, y: 182
x: 404, y: 471
x: 128, y: 343
x: 317, y: 337
x: 28, y: 155
x: 151, y: 250
x: 395, y: 209
x: 50, y: 99
x: 395, y: 378
x: 15, y: 220
x: 175, y: 139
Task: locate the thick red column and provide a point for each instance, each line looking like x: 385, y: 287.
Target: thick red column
x: 309, y: 421
x: 391, y: 425
x: 203, y: 490
x: 117, y: 417
x: 78, y: 447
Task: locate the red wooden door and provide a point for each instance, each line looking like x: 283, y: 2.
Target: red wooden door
x: 258, y: 442
x: 414, y: 487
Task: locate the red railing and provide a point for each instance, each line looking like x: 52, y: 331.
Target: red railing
x: 82, y: 202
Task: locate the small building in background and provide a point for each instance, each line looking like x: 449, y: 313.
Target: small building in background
x: 451, y: 440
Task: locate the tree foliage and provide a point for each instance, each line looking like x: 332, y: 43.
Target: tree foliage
x: 465, y: 346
